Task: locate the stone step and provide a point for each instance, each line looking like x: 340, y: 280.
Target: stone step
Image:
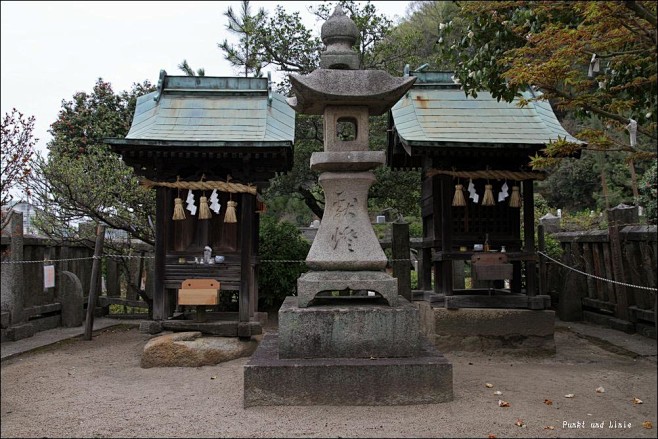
x: 270, y: 380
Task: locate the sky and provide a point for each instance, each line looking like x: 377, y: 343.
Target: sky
x: 52, y: 50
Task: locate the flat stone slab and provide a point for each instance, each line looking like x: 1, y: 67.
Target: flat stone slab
x: 190, y: 349
x: 270, y: 380
x: 348, y: 330
x: 514, y: 331
x: 347, y: 161
x: 313, y: 282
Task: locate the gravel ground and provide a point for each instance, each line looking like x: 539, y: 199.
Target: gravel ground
x: 96, y: 388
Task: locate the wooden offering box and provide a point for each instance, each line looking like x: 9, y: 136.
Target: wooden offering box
x: 199, y: 292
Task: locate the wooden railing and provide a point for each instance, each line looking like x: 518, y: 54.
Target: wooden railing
x: 608, y: 276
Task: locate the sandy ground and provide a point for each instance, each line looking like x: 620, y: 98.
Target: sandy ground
x: 96, y: 388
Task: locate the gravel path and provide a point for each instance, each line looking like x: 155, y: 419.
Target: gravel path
x: 96, y: 388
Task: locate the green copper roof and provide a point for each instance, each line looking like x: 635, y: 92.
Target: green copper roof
x: 202, y: 109
x: 436, y: 111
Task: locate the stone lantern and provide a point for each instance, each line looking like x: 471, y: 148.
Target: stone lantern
x: 346, y: 254
x: 349, y: 348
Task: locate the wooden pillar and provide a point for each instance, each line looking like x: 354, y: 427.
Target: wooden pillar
x: 425, y: 269
x: 246, y: 249
x: 618, y: 217
x: 529, y: 236
x: 401, y: 264
x: 13, y: 294
x: 112, y: 283
x: 93, y: 283
x: 253, y: 286
x: 445, y: 208
x: 160, y: 306
x: 541, y: 244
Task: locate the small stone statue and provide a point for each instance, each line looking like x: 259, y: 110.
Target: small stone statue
x: 207, y: 251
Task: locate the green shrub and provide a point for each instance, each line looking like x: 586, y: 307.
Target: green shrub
x: 585, y: 220
x: 414, y: 280
x: 553, y: 247
x: 279, y: 241
x: 649, y: 193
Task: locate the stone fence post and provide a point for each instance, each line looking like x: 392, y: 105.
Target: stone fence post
x: 12, y: 299
x: 550, y: 222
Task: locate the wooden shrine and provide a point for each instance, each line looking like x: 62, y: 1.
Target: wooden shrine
x: 200, y: 142
x: 477, y: 189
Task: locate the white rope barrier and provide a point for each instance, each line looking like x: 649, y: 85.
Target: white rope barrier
x: 598, y: 277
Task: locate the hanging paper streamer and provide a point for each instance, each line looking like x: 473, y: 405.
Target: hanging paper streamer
x: 594, y: 66
x: 48, y: 276
x: 190, y: 202
x: 488, y: 199
x: 230, y: 212
x: 458, y: 199
x: 214, y: 202
x: 515, y: 199
x: 204, y: 211
x: 503, y: 192
x: 473, y: 195
x: 632, y: 130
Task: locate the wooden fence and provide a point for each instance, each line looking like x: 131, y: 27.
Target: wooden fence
x: 26, y: 303
x: 606, y: 276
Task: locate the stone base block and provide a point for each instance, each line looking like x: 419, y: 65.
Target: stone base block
x: 270, y: 380
x: 348, y: 330
x: 150, y: 327
x: 609, y: 321
x: 4, y: 320
x: 19, y: 332
x: 515, y: 331
x: 313, y: 282
x: 46, y: 323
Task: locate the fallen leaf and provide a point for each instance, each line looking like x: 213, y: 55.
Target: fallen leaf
x: 548, y: 402
x: 498, y: 392
x: 569, y: 395
x: 647, y: 424
x: 637, y: 401
x: 491, y: 436
x: 549, y: 427
x: 519, y: 423
x: 488, y: 385
x: 213, y: 377
x: 502, y: 403
x: 600, y: 390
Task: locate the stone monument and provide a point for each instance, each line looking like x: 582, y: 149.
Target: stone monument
x: 347, y: 338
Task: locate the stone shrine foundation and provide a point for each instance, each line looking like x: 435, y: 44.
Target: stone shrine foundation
x: 408, y: 370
